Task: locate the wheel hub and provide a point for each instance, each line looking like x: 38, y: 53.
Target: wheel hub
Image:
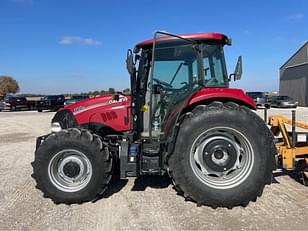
x: 219, y: 154
x: 221, y: 157
x: 71, y: 169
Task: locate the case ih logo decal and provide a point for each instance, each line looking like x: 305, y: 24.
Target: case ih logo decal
x: 80, y: 109
x: 121, y: 99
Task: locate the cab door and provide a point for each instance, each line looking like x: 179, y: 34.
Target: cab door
x: 174, y: 76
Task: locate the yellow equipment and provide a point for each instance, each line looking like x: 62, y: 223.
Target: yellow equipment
x: 291, y: 147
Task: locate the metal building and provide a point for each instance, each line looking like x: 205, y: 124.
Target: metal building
x: 294, y: 76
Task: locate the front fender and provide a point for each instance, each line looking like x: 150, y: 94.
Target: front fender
x: 65, y: 118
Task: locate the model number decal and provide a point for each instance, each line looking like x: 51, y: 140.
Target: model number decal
x: 79, y: 108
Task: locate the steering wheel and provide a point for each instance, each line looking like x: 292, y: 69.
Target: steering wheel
x: 163, y: 83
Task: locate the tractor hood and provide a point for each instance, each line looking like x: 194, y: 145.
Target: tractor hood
x: 109, y: 110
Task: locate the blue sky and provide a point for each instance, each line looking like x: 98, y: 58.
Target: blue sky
x: 56, y: 46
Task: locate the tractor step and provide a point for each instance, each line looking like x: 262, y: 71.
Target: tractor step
x: 140, y: 159
x: 150, y: 165
x: 128, y: 159
x: 150, y: 160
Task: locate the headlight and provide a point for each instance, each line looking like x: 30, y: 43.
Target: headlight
x: 56, y: 127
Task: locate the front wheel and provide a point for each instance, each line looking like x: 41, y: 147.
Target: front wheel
x: 224, y: 155
x: 72, y: 166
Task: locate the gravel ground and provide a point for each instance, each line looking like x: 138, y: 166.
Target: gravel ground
x: 134, y: 204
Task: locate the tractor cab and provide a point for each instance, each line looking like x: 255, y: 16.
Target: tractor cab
x: 167, y: 71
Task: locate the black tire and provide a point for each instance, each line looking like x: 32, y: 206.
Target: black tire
x: 83, y: 141
x: 39, y: 110
x: 13, y: 108
x: 232, y: 116
x: 268, y: 106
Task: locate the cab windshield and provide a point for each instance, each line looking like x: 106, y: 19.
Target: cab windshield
x: 176, y: 67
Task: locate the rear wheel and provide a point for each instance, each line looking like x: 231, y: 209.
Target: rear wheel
x: 224, y: 155
x: 72, y: 166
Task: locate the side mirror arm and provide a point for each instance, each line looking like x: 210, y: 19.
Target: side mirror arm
x: 232, y: 76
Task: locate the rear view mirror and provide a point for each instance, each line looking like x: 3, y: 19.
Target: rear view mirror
x: 237, y: 75
x: 130, y: 62
x: 238, y: 69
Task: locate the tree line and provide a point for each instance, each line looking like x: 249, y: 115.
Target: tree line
x: 105, y: 92
x: 9, y: 85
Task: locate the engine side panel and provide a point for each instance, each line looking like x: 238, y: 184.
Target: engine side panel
x: 103, y: 110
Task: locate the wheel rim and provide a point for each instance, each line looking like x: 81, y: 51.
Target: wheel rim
x: 70, y: 170
x: 221, y: 157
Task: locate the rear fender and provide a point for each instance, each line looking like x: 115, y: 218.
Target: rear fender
x: 204, y: 96
x: 223, y: 95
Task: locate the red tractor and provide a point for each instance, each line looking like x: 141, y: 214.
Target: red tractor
x: 181, y: 118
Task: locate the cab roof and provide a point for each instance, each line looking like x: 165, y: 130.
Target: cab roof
x: 198, y: 37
